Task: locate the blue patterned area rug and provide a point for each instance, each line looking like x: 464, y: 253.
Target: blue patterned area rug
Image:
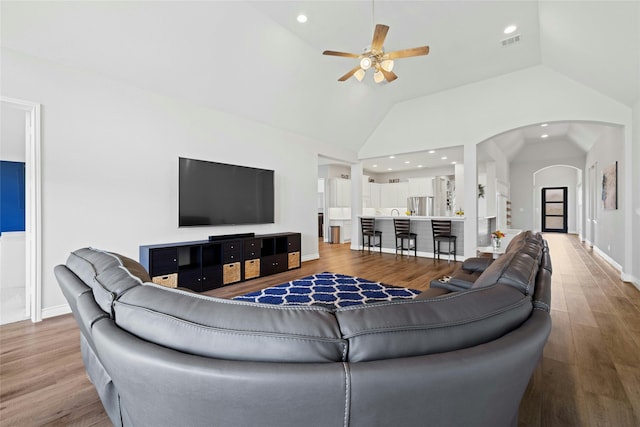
x: 329, y: 290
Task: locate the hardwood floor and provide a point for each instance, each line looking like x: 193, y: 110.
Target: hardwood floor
x: 589, y: 375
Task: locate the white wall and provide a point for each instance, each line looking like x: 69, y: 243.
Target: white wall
x: 525, y: 195
x: 479, y: 111
x: 403, y: 176
x: 555, y: 176
x: 110, y: 158
x: 610, y: 228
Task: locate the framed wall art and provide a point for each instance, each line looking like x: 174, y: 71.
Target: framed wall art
x: 610, y: 186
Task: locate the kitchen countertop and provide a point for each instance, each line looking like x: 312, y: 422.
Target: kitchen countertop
x: 418, y: 217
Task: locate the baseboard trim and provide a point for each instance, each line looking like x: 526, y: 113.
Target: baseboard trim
x: 631, y: 279
x: 310, y: 257
x: 608, y: 259
x: 58, y: 310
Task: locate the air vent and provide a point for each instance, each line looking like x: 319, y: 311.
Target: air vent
x: 511, y: 40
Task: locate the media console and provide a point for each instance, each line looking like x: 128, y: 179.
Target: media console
x: 207, y: 264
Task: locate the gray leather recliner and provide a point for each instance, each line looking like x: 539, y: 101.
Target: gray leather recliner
x: 163, y: 357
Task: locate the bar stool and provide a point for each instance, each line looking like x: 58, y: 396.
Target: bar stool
x: 442, y: 233
x: 402, y: 227
x: 368, y: 227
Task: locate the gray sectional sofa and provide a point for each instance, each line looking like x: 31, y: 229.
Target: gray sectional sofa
x: 164, y: 357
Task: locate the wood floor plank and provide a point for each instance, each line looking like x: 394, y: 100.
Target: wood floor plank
x: 589, y: 375
x: 560, y: 346
x: 578, y: 308
x: 607, y: 412
x: 630, y: 377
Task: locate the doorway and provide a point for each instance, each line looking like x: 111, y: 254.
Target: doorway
x: 554, y: 209
x: 31, y: 243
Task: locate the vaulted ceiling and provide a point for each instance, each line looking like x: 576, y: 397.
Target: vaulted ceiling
x: 255, y: 60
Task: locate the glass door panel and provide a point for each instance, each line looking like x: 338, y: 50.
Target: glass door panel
x: 554, y: 209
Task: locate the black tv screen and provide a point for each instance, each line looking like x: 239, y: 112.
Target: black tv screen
x: 211, y: 193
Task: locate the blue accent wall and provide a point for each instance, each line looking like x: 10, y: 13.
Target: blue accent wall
x: 12, y: 195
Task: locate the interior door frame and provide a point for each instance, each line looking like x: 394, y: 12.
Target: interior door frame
x: 33, y: 203
x: 565, y: 211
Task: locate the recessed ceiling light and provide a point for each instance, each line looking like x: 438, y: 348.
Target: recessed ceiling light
x: 510, y: 29
x: 544, y: 136
x: 392, y: 157
x: 453, y: 163
x: 407, y: 162
x: 544, y: 125
x: 419, y: 166
x: 443, y: 157
x: 374, y: 166
x: 389, y: 169
x: 432, y: 151
x: 302, y: 18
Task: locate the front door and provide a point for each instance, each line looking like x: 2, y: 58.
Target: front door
x: 554, y: 209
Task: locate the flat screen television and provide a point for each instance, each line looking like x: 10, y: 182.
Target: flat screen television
x: 211, y: 193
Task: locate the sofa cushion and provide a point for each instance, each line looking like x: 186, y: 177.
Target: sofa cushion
x: 521, y: 273
x: 530, y: 247
x: 491, y: 275
x: 514, y: 268
x: 228, y: 329
x: 476, y: 264
x: 108, y: 274
x: 435, y: 325
x: 516, y: 240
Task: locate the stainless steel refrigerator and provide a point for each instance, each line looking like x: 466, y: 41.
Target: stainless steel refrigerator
x: 421, y: 206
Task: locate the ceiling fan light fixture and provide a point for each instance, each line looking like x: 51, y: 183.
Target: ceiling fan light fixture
x: 387, y: 64
x: 365, y: 63
x: 359, y: 74
x: 375, y: 57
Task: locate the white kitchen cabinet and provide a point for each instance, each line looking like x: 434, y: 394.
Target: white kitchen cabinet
x: 387, y: 196
x: 421, y: 187
x: 401, y: 193
x: 366, y: 192
x: 394, y: 195
x: 340, y: 192
x: 375, y: 195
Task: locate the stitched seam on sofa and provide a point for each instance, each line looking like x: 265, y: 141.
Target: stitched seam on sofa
x: 108, y: 253
x: 236, y: 302
x: 541, y: 305
x: 532, y: 278
x: 422, y: 301
x: 136, y: 278
x: 227, y: 331
x: 95, y: 273
x: 347, y: 393
x: 414, y: 328
x: 98, y: 317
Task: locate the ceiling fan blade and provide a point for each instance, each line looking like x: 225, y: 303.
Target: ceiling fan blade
x: 379, y: 35
x: 406, y: 53
x: 349, y: 74
x: 345, y: 54
x: 389, y: 76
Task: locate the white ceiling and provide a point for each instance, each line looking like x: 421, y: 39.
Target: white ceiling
x: 255, y: 60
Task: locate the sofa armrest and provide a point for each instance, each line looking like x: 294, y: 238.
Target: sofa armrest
x: 432, y: 293
x: 451, y: 285
x: 476, y: 264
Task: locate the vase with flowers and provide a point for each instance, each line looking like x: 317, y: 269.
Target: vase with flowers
x: 496, y: 237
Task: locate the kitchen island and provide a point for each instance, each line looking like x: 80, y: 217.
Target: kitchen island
x: 420, y: 225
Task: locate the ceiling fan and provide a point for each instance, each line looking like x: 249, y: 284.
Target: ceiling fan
x: 375, y: 57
